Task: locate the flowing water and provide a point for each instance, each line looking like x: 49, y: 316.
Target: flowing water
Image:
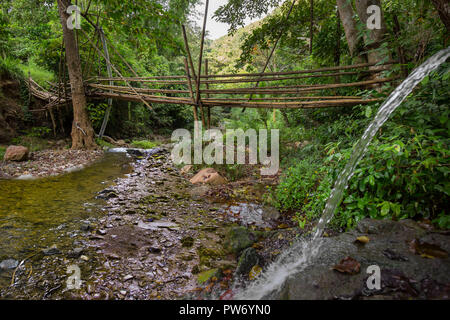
x: 300, y: 255
x: 37, y: 213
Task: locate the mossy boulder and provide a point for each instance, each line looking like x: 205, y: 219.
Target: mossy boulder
x: 238, y: 239
x: 248, y: 259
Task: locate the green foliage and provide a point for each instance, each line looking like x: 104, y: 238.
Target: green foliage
x: 33, y: 143
x: 9, y: 68
x: 2, y: 152
x: 144, y: 144
x: 298, y: 185
x: 104, y: 144
x: 39, y: 132
x: 404, y: 174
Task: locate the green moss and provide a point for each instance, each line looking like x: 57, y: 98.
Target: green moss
x: 102, y: 143
x: 206, y: 275
x: 144, y: 144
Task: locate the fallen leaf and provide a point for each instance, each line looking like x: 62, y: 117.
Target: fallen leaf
x: 362, y: 239
x: 427, y: 250
x: 348, y: 265
x: 254, y: 273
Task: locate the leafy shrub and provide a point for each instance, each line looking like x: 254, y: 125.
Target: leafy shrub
x: 404, y: 173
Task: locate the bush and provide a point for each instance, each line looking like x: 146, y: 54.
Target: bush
x: 404, y: 174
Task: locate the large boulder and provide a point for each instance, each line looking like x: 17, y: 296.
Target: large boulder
x: 404, y: 274
x: 210, y: 176
x: 16, y: 153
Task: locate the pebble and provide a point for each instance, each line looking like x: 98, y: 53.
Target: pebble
x: 51, y: 251
x: 84, y: 258
x: 8, y: 264
x: 128, y: 277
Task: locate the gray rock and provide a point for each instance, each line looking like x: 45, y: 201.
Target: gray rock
x: 8, y: 264
x: 51, y: 251
x: 75, y: 253
x: 85, y: 227
x: 248, y: 259
x: 269, y: 213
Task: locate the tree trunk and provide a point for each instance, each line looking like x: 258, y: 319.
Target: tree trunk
x: 82, y: 131
x: 311, y: 27
x: 374, y: 38
x: 346, y: 14
x: 443, y: 8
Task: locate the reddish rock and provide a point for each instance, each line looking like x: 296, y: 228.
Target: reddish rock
x: 16, y: 153
x: 208, y: 175
x: 186, y: 169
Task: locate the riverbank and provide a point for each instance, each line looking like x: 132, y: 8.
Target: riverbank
x: 160, y: 237
x: 48, y: 163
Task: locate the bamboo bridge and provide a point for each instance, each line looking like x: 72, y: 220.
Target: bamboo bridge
x: 311, y: 88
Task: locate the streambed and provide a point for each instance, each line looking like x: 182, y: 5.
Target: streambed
x: 129, y: 222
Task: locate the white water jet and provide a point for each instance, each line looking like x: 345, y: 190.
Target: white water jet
x: 300, y: 255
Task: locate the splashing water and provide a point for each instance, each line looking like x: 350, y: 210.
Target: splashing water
x: 300, y: 255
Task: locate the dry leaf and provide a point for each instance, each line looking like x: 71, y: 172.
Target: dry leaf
x: 427, y: 250
x: 362, y: 239
x: 348, y: 265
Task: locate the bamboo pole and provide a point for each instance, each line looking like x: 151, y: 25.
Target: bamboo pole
x: 191, y: 92
x: 295, y: 89
x: 142, y: 90
x: 336, y: 68
x: 111, y: 83
x: 202, y: 43
x: 207, y: 96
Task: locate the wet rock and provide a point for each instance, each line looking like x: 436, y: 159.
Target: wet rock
x: 85, y: 227
x: 16, y: 153
x: 157, y: 225
x: 401, y: 270
x: 8, y: 264
x: 101, y: 232
x: 209, y: 176
x: 75, y: 253
x: 154, y: 249
x: 248, y: 259
x: 135, y: 152
x: 106, y: 194
x: 128, y: 277
x: 53, y: 250
x: 238, y: 239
